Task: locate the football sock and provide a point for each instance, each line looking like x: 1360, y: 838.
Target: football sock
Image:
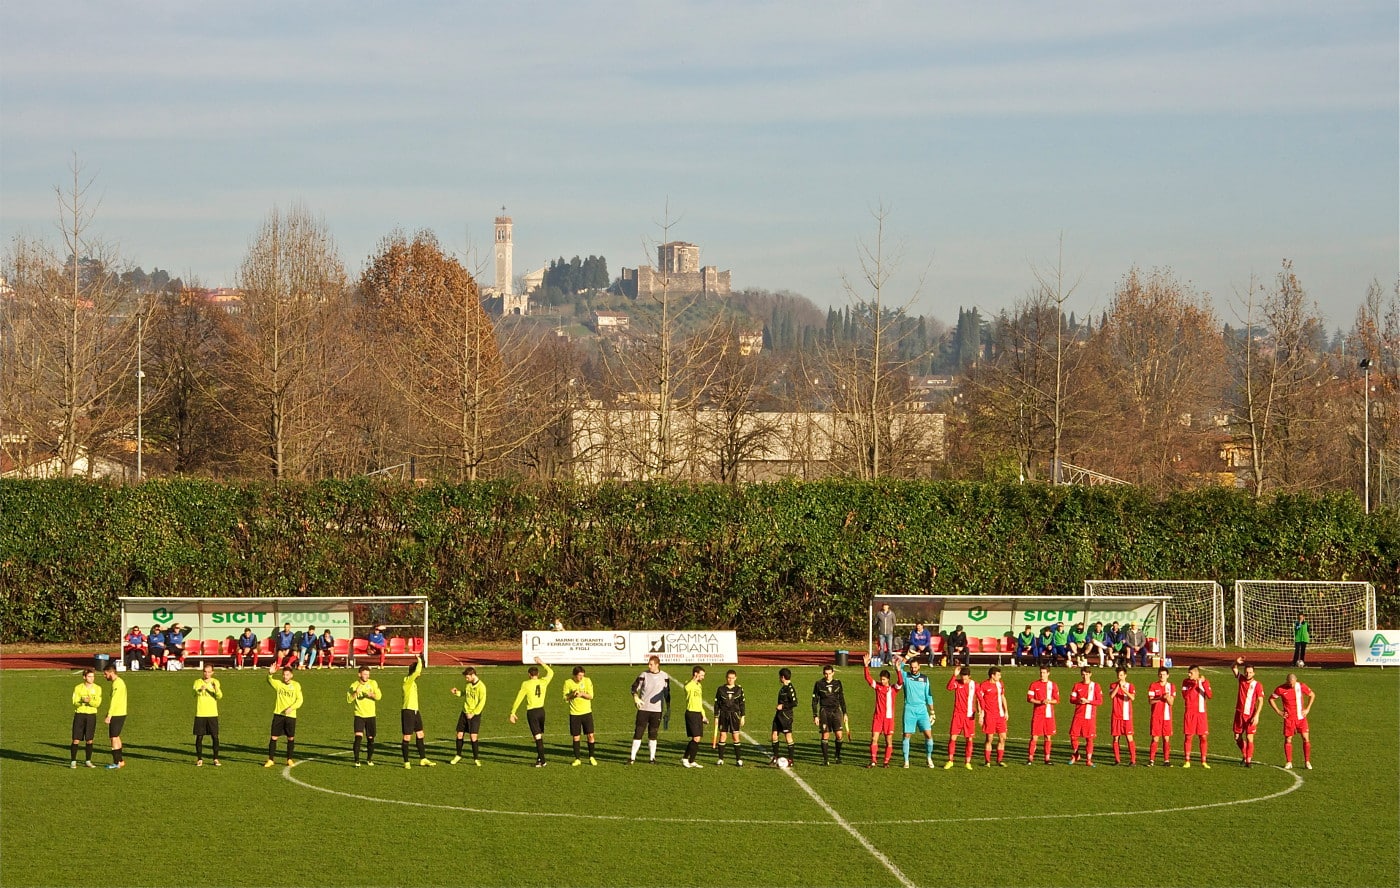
x: 824, y: 752
x: 1074, y: 747
x: 1249, y: 749
x: 590, y: 749
x: 422, y: 748
x: 1117, y: 753
x: 1307, y: 750
x: 118, y: 756
x: 889, y: 749
x: 291, y: 747
x: 690, y: 749
x: 215, y: 741
x: 1132, y: 751
x: 1186, y: 747
x: 792, y: 756
x: 874, y: 750
x: 1203, y: 748
x: 359, y: 741
x: 987, y: 754
x: 459, y: 745
x: 1030, y: 751
x: 651, y: 749
x: 403, y: 749
x: 906, y: 749
x: 576, y: 749
x: 475, y: 749
x: 539, y: 748
x: 271, y: 748
x: 838, y: 748
x: 1288, y: 751
x: 738, y: 750
x: 1047, y: 749
x: 1001, y: 753
x: 199, y: 746
x: 637, y: 744
x: 369, y: 745
x: 928, y: 746
x: 73, y: 754
x: 88, y: 752
x: 1089, y: 749
x: 967, y: 750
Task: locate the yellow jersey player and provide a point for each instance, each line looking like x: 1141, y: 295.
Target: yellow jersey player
x: 87, y: 698
x: 284, y: 711
x: 116, y: 714
x: 207, y: 694
x: 473, y: 694
x: 410, y: 718
x: 532, y: 693
x: 695, y: 719
x: 578, y: 693
x: 364, y: 695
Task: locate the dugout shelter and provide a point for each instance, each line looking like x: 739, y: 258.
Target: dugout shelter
x: 213, y: 621
x: 992, y: 621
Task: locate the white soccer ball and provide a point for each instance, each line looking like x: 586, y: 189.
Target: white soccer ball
x: 783, y: 762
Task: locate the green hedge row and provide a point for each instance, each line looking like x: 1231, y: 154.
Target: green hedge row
x: 788, y: 561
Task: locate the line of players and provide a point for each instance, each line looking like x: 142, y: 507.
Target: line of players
x: 976, y: 705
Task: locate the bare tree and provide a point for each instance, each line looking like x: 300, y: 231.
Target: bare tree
x: 70, y: 356
x: 286, y: 362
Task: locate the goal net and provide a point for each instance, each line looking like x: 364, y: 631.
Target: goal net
x: 1196, y: 617
x: 1267, y: 610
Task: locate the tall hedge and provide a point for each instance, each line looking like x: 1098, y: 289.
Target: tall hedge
x: 786, y: 561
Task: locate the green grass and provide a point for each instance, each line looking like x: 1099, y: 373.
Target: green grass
x: 162, y: 822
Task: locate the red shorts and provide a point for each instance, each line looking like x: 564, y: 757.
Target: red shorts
x: 1196, y: 726
x: 1245, y: 726
x: 963, y: 725
x: 993, y: 724
x: 1042, y: 726
x: 1161, y: 728
x: 1082, y: 728
x: 1294, y: 726
x: 1121, y: 727
x: 882, y: 724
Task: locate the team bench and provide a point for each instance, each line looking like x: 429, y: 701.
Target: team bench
x: 345, y: 652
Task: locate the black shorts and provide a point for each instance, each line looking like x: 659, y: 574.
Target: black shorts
x: 648, y: 723
x: 729, y: 722
x: 206, y: 726
x: 694, y: 724
x: 782, y: 722
x: 177, y: 651
x: 84, y: 726
x: 410, y: 720
x: 535, y: 719
x: 283, y: 725
x: 830, y: 719
x: 580, y: 724
x: 367, y: 726
x: 114, y: 727
x: 468, y: 724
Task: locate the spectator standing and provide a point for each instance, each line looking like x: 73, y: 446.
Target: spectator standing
x: 884, y: 628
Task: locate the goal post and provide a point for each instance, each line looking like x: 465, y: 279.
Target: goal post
x: 403, y: 617
x: 1196, y: 617
x: 1267, y: 610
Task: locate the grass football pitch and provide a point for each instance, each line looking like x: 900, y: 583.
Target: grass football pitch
x: 160, y: 821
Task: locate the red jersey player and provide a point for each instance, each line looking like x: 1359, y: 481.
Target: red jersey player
x: 1195, y: 691
x: 964, y: 722
x: 1249, y: 705
x: 1295, y: 717
x: 1162, y: 695
x: 1121, y: 696
x: 991, y: 707
x: 882, y: 723
x: 1087, y: 697
x: 1044, y: 696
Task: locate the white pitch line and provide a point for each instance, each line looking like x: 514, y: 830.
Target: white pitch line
x: 840, y: 821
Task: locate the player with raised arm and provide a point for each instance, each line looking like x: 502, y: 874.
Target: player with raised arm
x: 1195, y: 691
x: 695, y: 719
x: 364, y: 695
x: 1121, y: 697
x: 1161, y: 694
x: 1044, y: 696
x: 578, y: 693
x: 992, y: 714
x: 207, y: 694
x: 964, y: 721
x: 1295, y: 717
x: 649, y: 693
x: 1087, y: 698
x: 532, y: 694
x: 729, y: 716
x: 829, y: 709
x: 882, y: 721
x: 284, y: 712
x: 411, y: 717
x: 473, y: 694
x: 783, y: 715
x: 918, y: 706
x: 1249, y: 705
x: 87, y: 699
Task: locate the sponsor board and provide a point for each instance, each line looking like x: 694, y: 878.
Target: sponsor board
x: 1375, y: 647
x: 218, y: 619
x: 585, y: 648
x: 622, y: 647
x: 996, y: 619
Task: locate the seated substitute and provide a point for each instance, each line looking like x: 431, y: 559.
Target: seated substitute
x: 920, y: 645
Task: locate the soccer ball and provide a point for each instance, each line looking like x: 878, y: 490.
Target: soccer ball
x: 782, y: 762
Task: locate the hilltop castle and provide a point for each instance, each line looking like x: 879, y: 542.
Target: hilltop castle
x: 680, y: 274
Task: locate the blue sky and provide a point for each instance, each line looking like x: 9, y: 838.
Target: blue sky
x: 1213, y: 139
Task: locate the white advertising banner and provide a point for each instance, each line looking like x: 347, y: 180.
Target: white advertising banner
x: 586, y: 648
x: 1375, y: 647
x: 622, y: 647
x: 997, y: 618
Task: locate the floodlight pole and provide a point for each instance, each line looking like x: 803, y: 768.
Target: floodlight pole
x: 140, y: 378
x: 1366, y: 445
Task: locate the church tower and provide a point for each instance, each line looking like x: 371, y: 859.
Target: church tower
x: 511, y: 303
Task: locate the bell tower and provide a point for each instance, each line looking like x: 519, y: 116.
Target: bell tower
x: 511, y: 303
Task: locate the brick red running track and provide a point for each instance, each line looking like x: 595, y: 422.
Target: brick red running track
x: 465, y: 656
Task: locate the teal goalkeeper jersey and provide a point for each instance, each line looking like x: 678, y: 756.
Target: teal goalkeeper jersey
x: 918, y: 692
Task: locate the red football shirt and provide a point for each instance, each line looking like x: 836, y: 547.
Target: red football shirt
x: 1086, y: 697
x: 964, y: 698
x: 1293, y: 699
x: 1250, y: 698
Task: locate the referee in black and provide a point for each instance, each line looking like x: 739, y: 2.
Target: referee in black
x: 829, y: 709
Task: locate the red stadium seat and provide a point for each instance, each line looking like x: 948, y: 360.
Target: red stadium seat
x: 398, y: 646
x: 211, y: 647
x: 1006, y: 645
x: 341, y: 651
x: 415, y: 644
x: 989, y: 645
x: 265, y: 646
x: 936, y: 646
x: 974, y: 645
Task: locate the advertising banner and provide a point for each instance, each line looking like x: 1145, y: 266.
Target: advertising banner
x: 621, y: 647
x: 1375, y: 647
x: 584, y: 648
x: 997, y: 618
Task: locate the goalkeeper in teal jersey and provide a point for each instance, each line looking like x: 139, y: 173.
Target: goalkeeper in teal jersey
x: 918, y: 707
